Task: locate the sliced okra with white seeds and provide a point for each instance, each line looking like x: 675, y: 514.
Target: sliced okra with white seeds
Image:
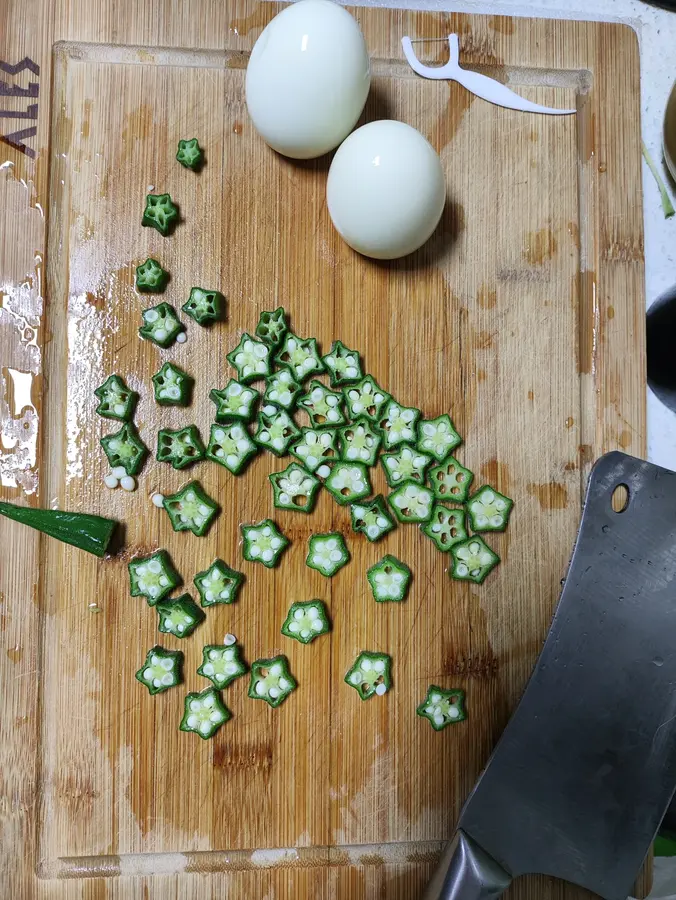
x: 442, y: 708
x: 294, y: 488
x: 371, y: 674
x: 263, y: 543
x: 342, y: 364
x: 204, y: 306
x: 250, y: 358
x: 300, y: 356
x: 473, y: 559
x: 222, y: 664
x: 412, y: 502
x: 161, y: 325
x: 181, y: 448
x: 398, y: 424
x: 438, y: 437
x: 348, y: 482
x: 371, y: 518
x: 488, y: 510
x: 152, y: 577
x: 234, y: 403
x: 116, y: 400
x: 281, y: 389
x: 365, y: 398
x: 314, y: 447
x: 172, y: 386
x: 327, y: 553
x: 161, y: 670
x: 389, y: 579
x: 231, y: 446
x: 306, y: 621
x: 218, y: 584
x: 446, y: 527
x: 450, y: 481
x: 204, y: 713
x: 275, y: 429
x: 179, y: 617
x: 407, y: 464
x: 359, y: 442
x: 325, y: 407
x: 191, y: 509
x: 271, y: 680
x: 125, y: 449
x: 272, y: 326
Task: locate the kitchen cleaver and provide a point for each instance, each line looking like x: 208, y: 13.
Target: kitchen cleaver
x: 582, y: 775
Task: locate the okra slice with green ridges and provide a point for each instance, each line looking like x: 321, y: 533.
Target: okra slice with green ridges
x: 327, y: 553
x: 125, y: 448
x: 221, y: 665
x: 371, y: 519
x: 389, y: 579
x: 472, y: 560
x: 161, y: 325
x: 181, y: 448
x: 366, y: 398
x: 281, y: 389
x: 407, y: 464
x: 235, y: 402
x: 152, y: 577
x: 488, y: 510
x: 218, y: 584
x: 412, y: 502
x: 438, y: 437
x: 191, y: 509
x: 116, y: 400
x: 398, y: 424
x: 314, y: 447
x: 179, y: 617
x: 348, y: 482
x: 263, y: 543
x: 204, y: 306
x: 163, y: 669
x: 271, y: 680
x: 190, y: 154
x: 323, y: 406
x: 300, y: 356
x: 161, y: 213
x: 251, y: 359
x: 359, y: 443
x: 172, y: 386
x: 294, y: 488
x: 150, y: 277
x: 450, y: 481
x: 275, y: 430
x: 371, y: 674
x: 272, y: 326
x: 442, y: 708
x: 306, y: 621
x: 231, y: 446
x: 446, y: 527
x: 204, y: 713
x: 342, y: 364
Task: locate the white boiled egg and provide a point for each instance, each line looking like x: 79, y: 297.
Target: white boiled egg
x: 386, y: 190
x: 308, y: 78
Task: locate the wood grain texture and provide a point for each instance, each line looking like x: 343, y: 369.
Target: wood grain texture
x: 523, y: 318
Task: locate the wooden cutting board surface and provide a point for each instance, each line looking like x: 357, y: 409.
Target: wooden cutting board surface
x: 523, y: 318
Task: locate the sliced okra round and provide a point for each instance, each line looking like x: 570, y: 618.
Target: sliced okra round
x: 191, y: 509
x: 446, y: 527
x: 389, y: 579
x: 204, y: 306
x: 263, y: 543
x: 300, y: 356
x: 275, y: 429
x: 204, y: 713
x: 150, y: 277
x: 271, y: 680
x: 412, y: 502
x: 348, y: 482
x: 398, y: 424
x: 365, y: 398
x: 294, y: 488
x: 152, y: 577
x: 325, y: 407
x: 407, y: 464
x: 180, y: 616
x: 221, y: 665
x: 488, y: 510
x: 314, y: 447
x: 342, y: 364
x: 172, y: 386
x: 235, y: 402
x: 272, y: 326
x: 370, y: 674
x: 450, y: 481
x: 190, y: 154
x: 306, y: 621
x: 116, y: 400
x: 359, y: 443
x: 473, y: 559
x: 327, y: 553
x: 231, y: 446
x: 161, y: 325
x: 161, y: 670
x: 251, y: 358
x: 218, y: 584
x: 442, y: 708
x: 161, y: 213
x: 438, y: 437
x: 281, y: 389
x: 181, y: 448
x: 372, y: 518
x: 125, y: 448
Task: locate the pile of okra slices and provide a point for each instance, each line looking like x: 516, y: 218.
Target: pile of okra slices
x: 351, y: 421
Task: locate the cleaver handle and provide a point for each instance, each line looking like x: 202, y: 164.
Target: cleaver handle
x: 466, y: 872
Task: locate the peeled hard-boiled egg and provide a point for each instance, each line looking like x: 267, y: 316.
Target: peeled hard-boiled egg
x: 386, y: 190
x: 308, y: 78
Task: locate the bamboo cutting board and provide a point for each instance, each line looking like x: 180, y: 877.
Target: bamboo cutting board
x: 523, y: 318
